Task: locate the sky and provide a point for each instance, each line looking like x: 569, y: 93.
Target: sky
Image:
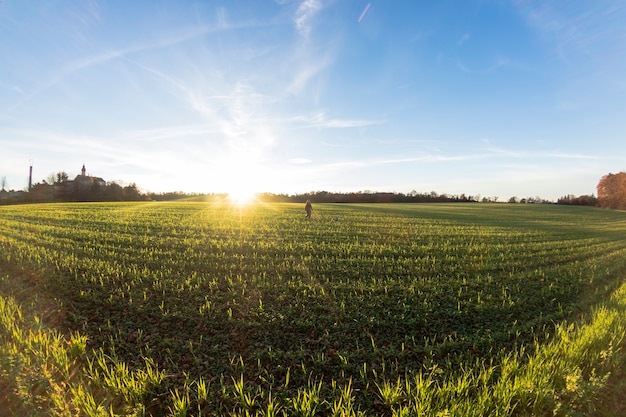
x: 489, y: 98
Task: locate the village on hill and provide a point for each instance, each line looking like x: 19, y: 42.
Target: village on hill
x: 59, y: 187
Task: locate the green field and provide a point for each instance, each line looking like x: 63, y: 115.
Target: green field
x: 213, y: 309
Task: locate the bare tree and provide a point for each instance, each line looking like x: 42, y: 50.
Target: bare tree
x: 61, y: 177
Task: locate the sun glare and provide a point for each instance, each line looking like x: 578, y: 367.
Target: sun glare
x: 242, y: 196
x: 241, y: 175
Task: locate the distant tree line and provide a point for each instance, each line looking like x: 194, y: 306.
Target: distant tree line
x: 96, y: 192
x: 583, y: 200
x: 57, y: 187
x: 368, y: 197
x: 611, y: 194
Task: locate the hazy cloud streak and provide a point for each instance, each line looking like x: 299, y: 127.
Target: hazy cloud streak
x: 364, y: 12
x: 305, y: 13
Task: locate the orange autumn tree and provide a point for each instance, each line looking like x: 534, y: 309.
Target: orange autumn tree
x: 612, y: 191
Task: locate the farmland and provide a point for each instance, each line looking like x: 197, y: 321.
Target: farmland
x: 255, y: 310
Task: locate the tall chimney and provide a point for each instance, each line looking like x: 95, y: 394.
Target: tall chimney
x: 30, y: 178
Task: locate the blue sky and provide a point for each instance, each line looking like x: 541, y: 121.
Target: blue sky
x: 491, y: 98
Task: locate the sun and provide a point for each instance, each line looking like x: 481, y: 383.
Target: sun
x: 241, y: 175
x: 241, y: 186
x: 242, y: 196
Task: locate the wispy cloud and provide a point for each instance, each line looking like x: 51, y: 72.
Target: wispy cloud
x: 525, y: 154
x: 105, y: 56
x: 502, y: 157
x: 320, y: 121
x: 346, y: 165
x: 87, y: 15
x: 164, y: 40
x: 231, y: 108
x: 167, y: 133
x: 299, y: 161
x: 348, y: 123
x: 306, y: 70
x: 590, y: 28
x: 110, y: 153
x: 496, y: 64
x: 305, y: 13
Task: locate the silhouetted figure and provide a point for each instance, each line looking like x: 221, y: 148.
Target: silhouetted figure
x: 308, y: 208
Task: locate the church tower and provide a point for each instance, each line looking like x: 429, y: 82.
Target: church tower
x: 83, y: 171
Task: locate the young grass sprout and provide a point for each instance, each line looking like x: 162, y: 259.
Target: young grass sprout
x: 184, y: 308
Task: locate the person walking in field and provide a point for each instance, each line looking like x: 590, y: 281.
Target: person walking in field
x: 308, y: 208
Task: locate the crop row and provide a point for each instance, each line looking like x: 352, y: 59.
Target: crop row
x: 213, y: 291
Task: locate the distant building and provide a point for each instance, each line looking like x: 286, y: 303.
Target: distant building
x: 41, y: 192
x: 83, y: 187
x: 84, y: 182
